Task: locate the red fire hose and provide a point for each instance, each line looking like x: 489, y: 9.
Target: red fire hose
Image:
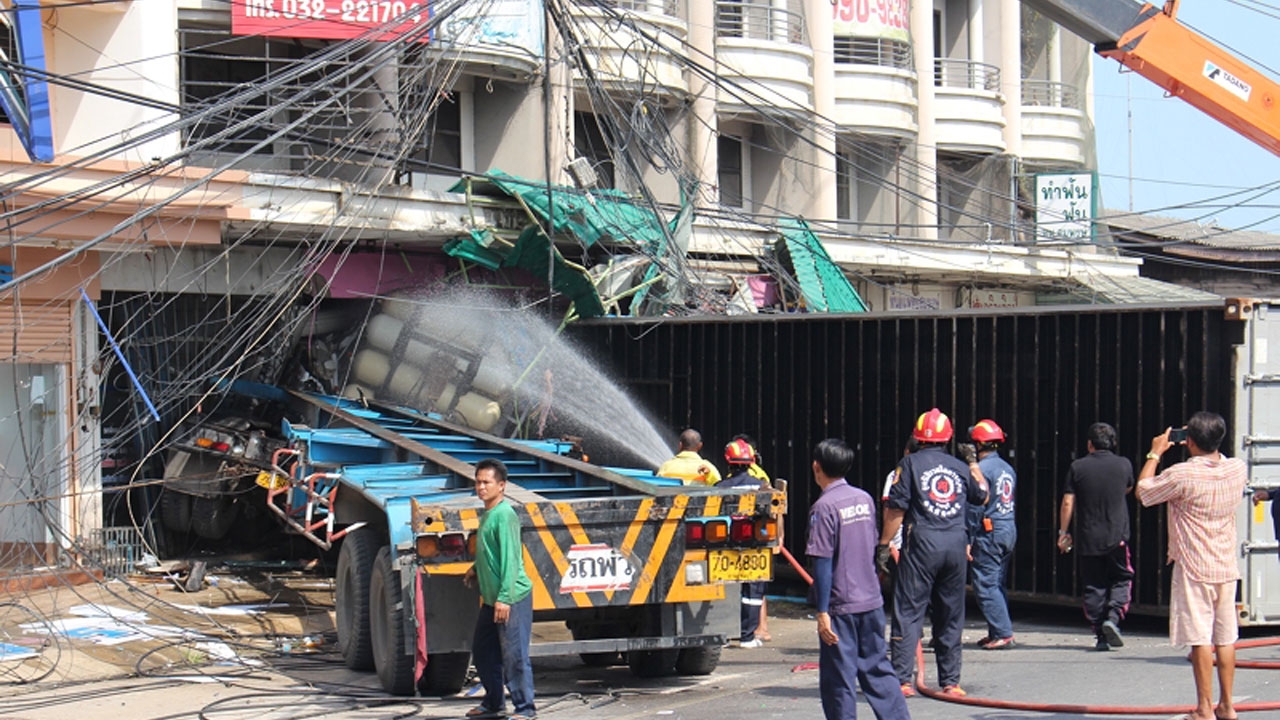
x: 1072, y: 709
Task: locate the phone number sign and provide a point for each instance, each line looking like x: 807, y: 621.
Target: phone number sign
x: 329, y: 19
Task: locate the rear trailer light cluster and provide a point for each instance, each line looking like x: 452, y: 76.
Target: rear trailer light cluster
x: 735, y: 531
x: 446, y: 547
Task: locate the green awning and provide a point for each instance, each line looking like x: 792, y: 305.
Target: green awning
x: 822, y: 282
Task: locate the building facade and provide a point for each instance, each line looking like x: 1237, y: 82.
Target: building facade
x: 227, y: 157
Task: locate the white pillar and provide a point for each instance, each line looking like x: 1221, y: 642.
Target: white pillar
x: 703, y: 158
x: 1055, y: 54
x: 822, y: 204
x: 976, y: 30
x: 1011, y: 73
x: 926, y: 155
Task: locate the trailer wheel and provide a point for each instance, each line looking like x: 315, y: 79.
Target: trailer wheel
x: 698, y: 660
x: 386, y: 627
x: 355, y: 565
x: 212, y: 518
x: 652, y: 663
x: 445, y: 674
x: 175, y: 510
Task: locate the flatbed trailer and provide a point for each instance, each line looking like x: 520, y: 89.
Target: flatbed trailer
x: 631, y: 563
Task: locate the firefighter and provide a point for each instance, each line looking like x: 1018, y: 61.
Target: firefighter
x: 993, y: 534
x: 928, y: 497
x: 741, y: 456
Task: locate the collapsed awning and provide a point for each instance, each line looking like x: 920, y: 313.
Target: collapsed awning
x: 822, y: 282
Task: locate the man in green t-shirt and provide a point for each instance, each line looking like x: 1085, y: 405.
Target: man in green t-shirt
x: 500, y: 646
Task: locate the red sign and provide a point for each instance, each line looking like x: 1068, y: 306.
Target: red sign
x: 329, y: 19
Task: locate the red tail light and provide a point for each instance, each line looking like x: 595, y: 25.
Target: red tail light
x: 453, y: 544
x: 695, y: 534
x: 221, y: 447
x: 742, y: 531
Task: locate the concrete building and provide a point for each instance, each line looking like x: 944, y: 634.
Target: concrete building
x: 203, y: 156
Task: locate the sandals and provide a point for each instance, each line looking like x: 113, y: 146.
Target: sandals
x: 481, y: 712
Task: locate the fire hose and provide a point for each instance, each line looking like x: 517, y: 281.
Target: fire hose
x: 1075, y: 709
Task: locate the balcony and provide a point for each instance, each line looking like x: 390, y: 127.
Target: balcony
x: 875, y: 87
x: 968, y: 106
x: 764, y: 55
x: 621, y: 55
x: 1055, y: 127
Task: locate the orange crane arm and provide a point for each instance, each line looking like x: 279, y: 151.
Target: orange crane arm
x: 1189, y: 66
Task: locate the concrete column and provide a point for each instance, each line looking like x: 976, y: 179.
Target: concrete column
x: 976, y: 30
x: 822, y: 203
x: 926, y: 156
x: 560, y: 114
x: 1055, y: 53
x: 1011, y: 73
x: 703, y: 158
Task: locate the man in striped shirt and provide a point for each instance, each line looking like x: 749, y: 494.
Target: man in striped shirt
x: 1203, y: 494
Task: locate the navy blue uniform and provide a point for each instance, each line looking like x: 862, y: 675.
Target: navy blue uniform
x: 752, y: 592
x: 993, y: 548
x: 933, y: 488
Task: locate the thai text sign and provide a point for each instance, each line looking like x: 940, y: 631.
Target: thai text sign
x: 887, y: 19
x: 1065, y: 207
x: 330, y: 19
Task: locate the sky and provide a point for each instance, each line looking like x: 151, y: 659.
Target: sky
x: 1183, y: 160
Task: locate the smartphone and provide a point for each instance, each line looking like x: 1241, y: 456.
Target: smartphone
x: 1178, y: 435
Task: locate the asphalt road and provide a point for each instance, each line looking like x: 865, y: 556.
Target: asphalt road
x: 1053, y: 663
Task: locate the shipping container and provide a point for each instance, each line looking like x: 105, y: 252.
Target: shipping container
x: 1044, y: 374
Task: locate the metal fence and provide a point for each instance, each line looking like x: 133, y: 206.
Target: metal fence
x: 948, y: 72
x: 117, y: 550
x: 1044, y: 375
x: 873, y: 51
x: 1043, y: 93
x: 745, y: 19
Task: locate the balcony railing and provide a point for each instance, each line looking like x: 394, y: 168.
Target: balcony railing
x: 1043, y: 93
x: 670, y: 8
x: 741, y: 19
x: 873, y: 51
x: 965, y: 74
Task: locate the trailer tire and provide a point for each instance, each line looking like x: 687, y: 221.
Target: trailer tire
x: 445, y: 674
x: 386, y: 627
x: 213, y: 517
x: 175, y: 510
x: 698, y: 660
x: 652, y: 663
x: 351, y: 588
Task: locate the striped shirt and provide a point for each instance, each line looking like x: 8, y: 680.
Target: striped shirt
x: 1204, y: 494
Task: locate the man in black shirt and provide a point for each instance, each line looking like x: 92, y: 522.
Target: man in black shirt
x: 1094, y: 493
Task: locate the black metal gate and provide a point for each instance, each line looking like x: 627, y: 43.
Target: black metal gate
x: 1043, y: 374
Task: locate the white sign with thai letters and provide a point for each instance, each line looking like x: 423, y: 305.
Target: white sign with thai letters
x: 1064, y: 206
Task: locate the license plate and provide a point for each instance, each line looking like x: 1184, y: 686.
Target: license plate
x: 271, y: 481
x: 740, y: 565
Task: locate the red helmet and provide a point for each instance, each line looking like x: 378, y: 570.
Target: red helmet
x: 932, y: 427
x: 986, y: 431
x: 739, y: 452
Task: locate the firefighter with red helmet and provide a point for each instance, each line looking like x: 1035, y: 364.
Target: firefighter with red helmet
x: 992, y: 534
x: 741, y: 456
x: 928, y: 497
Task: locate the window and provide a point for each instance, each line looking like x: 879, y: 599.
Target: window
x: 9, y: 52
x: 589, y: 141
x: 729, y: 173
x: 846, y: 178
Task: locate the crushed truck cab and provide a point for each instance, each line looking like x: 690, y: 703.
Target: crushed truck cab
x: 635, y: 566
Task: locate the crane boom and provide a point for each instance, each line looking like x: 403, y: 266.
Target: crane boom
x: 1150, y: 41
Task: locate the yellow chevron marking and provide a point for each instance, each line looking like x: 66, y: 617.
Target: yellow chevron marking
x: 713, y: 506
x: 470, y: 519
x: 633, y: 533
x: 680, y: 592
x: 660, y: 546
x: 747, y: 504
x: 570, y: 519
x: 557, y: 557
x: 541, y: 598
